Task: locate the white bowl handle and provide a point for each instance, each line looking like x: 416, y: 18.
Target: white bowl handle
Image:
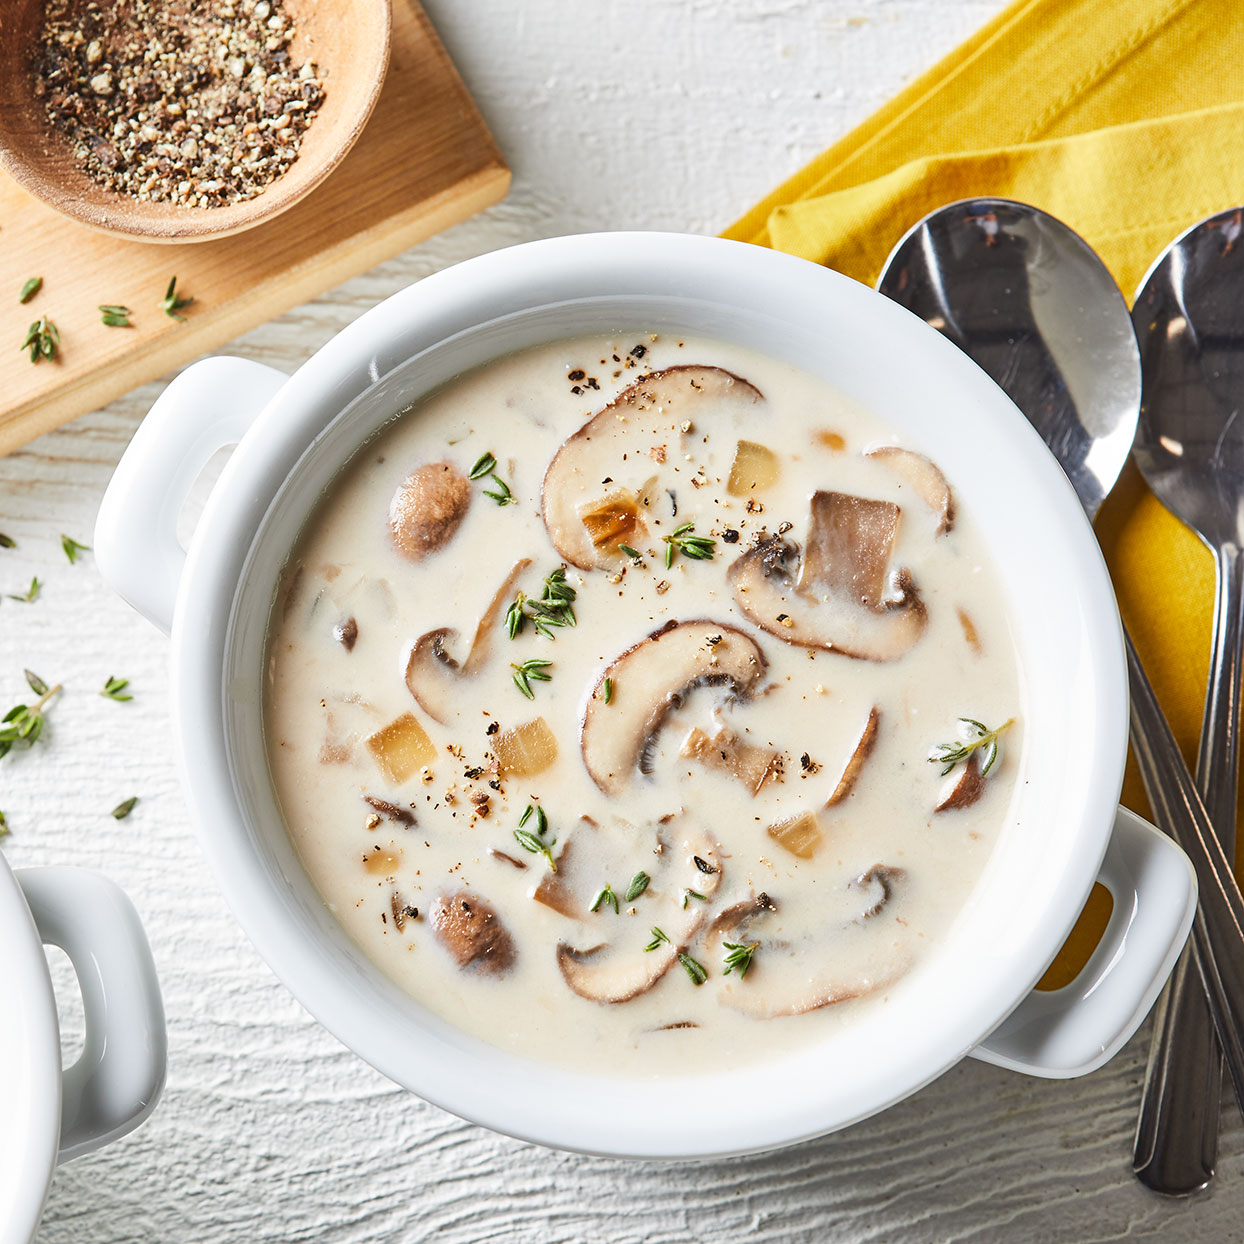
x: 206, y: 408
x: 1074, y: 1030
x: 117, y: 1081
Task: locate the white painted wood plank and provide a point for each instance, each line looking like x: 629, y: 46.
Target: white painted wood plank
x: 639, y: 114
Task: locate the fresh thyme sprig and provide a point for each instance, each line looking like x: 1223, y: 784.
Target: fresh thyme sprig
x: 30, y: 595
x: 486, y: 467
x: 72, y: 548
x: 30, y: 289
x: 986, y: 741
x: 697, y: 971
x: 740, y: 957
x: 698, y: 548
x: 113, y: 315
x: 536, y: 843
x: 114, y: 689
x: 171, y: 305
x: 23, y: 723
x: 639, y: 883
x: 657, y: 938
x: 554, y: 608
x: 42, y: 339
x: 605, y: 896
x: 533, y: 670
x: 124, y: 808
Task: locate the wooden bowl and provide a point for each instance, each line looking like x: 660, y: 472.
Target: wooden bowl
x: 347, y: 39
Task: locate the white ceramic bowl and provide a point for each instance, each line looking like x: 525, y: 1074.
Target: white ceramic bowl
x: 46, y: 1115
x: 293, y: 433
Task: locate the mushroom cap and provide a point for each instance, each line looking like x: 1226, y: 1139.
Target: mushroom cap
x: 923, y: 478
x: 650, y: 679
x: 470, y: 930
x: 433, y: 674
x: 650, y: 411
x: 619, y: 970
x: 859, y: 754
x: 840, y: 593
x: 427, y: 508
x: 842, y: 952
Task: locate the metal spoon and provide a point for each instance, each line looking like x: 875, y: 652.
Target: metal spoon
x: 1029, y: 301
x: 1189, y: 318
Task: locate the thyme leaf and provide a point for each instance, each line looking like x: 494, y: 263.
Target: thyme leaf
x: 986, y: 740
x: 42, y: 339
x: 116, y: 316
x: 697, y: 971
x: 114, y: 689
x: 30, y: 595
x: 555, y: 608
x: 533, y: 670
x: 124, y: 808
x: 536, y: 843
x: 688, y: 895
x: 605, y: 896
x: 639, y: 883
x: 72, y: 548
x: 7, y: 542
x: 608, y: 690
x: 23, y: 723
x: 170, y: 304
x: 740, y: 957
x: 4, y: 826
x: 698, y: 548
x: 657, y: 938
x: 486, y: 468
x: 30, y: 289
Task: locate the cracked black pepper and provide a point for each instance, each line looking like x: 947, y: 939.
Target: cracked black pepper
x: 196, y: 104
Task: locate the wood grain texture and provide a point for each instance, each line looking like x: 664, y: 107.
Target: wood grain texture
x: 643, y: 114
x: 425, y: 161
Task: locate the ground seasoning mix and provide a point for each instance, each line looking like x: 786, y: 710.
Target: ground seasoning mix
x: 194, y: 103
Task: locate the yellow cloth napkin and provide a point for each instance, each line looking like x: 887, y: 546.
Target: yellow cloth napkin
x: 1125, y: 119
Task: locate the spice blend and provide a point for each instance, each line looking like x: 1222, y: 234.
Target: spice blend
x: 197, y: 104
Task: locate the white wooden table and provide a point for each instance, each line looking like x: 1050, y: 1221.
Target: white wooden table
x: 637, y: 114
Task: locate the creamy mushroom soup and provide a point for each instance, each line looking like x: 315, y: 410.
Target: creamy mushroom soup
x: 636, y: 702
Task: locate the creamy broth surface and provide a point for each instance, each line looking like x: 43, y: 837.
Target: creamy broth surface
x: 716, y: 758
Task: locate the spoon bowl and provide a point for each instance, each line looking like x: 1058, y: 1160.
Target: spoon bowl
x: 1032, y: 305
x: 1189, y: 319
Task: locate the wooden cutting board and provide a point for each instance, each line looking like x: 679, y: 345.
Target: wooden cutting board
x: 425, y: 161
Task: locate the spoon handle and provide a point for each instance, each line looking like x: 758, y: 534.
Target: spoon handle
x: 1177, y: 1131
x: 1218, y: 928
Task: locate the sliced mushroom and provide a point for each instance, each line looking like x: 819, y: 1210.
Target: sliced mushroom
x: 649, y: 680
x: 751, y: 764
x: 840, y: 593
x: 620, y: 969
x: 835, y: 953
x: 433, y: 674
x: 559, y: 890
x: 963, y: 789
x: 879, y: 884
x: 863, y: 749
x: 427, y: 508
x: 924, y: 479
x: 649, y: 413
x: 472, y: 933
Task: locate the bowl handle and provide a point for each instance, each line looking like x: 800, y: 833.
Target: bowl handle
x: 208, y: 407
x: 1074, y: 1030
x: 118, y: 1079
